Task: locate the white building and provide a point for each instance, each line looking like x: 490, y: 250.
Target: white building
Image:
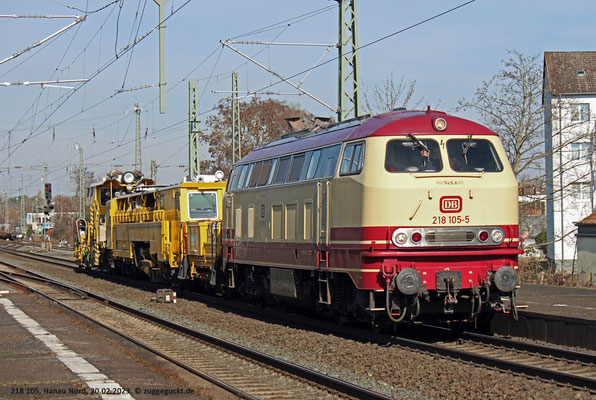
x: 40, y: 223
x: 569, y: 98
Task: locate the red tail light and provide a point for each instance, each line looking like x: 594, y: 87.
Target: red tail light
x: 417, y: 237
x: 483, y: 236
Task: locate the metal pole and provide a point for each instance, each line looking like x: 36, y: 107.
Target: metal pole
x: 81, y: 183
x: 138, y: 151
x: 22, y: 205
x: 236, y: 138
x: 194, y: 164
x: 348, y: 70
x: 162, y: 62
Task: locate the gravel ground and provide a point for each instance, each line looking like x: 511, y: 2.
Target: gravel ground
x: 395, y: 371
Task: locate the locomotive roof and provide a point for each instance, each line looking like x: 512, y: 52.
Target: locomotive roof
x: 395, y: 123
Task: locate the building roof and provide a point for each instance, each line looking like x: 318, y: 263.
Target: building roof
x: 590, y: 219
x: 570, y: 72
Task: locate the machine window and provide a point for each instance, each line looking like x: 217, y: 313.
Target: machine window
x: 105, y: 195
x: 351, y: 162
x: 473, y: 155
x: 413, y: 155
x: 202, y: 205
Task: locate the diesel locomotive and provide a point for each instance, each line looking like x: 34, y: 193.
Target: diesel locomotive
x: 408, y: 215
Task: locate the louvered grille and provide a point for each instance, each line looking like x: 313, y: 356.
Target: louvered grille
x: 450, y: 236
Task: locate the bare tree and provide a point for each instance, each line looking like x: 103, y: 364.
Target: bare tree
x: 511, y: 104
x: 389, y: 95
x: 89, y: 178
x: 261, y: 121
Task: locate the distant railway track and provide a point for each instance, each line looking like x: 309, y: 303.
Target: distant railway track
x: 240, y: 370
x: 563, y: 366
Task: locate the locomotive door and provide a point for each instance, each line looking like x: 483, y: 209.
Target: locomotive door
x: 229, y: 224
x: 323, y: 212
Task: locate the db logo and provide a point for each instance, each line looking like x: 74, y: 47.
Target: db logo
x: 450, y: 204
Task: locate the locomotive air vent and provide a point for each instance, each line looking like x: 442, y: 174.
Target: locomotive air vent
x: 450, y: 236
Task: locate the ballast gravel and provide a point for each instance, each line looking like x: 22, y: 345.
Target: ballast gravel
x: 391, y: 370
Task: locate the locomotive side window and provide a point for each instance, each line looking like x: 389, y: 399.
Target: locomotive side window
x: 242, y: 178
x: 328, y: 161
x: 413, y: 155
x: 264, y: 174
x: 297, y: 164
x: 312, y: 164
x: 255, y: 174
x: 234, y: 178
x: 478, y: 155
x: 202, y: 205
x: 273, y: 170
x: 282, y: 170
x: 351, y: 162
x: 249, y: 169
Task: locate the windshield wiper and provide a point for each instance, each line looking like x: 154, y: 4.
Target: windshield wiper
x: 465, y: 147
x: 418, y: 143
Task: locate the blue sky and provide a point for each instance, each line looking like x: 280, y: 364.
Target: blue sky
x: 448, y: 58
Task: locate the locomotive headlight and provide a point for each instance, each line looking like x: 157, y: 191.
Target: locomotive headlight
x: 506, y: 279
x: 399, y: 238
x: 440, y: 124
x: 128, y: 177
x: 408, y: 281
x: 497, y: 236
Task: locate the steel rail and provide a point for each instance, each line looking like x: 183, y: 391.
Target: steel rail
x: 560, y: 377
x: 331, y: 383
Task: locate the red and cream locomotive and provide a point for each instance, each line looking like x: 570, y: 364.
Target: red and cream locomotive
x: 406, y: 215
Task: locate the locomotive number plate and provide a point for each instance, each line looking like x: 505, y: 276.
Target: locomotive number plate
x: 451, y: 219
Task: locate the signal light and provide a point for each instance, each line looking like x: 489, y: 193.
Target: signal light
x: 483, y: 236
x: 48, y: 192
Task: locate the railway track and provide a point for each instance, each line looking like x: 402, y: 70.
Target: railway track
x: 240, y: 370
x: 552, y: 364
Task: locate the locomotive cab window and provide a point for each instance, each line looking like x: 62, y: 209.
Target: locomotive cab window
x: 413, y: 155
x: 473, y: 155
x: 351, y: 162
x: 202, y: 205
x: 105, y: 195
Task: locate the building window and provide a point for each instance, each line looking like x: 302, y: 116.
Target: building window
x: 580, y: 112
x: 581, y: 190
x: 580, y: 151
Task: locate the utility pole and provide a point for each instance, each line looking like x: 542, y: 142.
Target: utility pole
x: 194, y: 163
x: 22, y: 205
x: 162, y: 56
x: 81, y: 182
x: 349, y: 87
x: 236, y: 137
x: 153, y: 170
x: 6, y: 211
x: 138, y: 160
